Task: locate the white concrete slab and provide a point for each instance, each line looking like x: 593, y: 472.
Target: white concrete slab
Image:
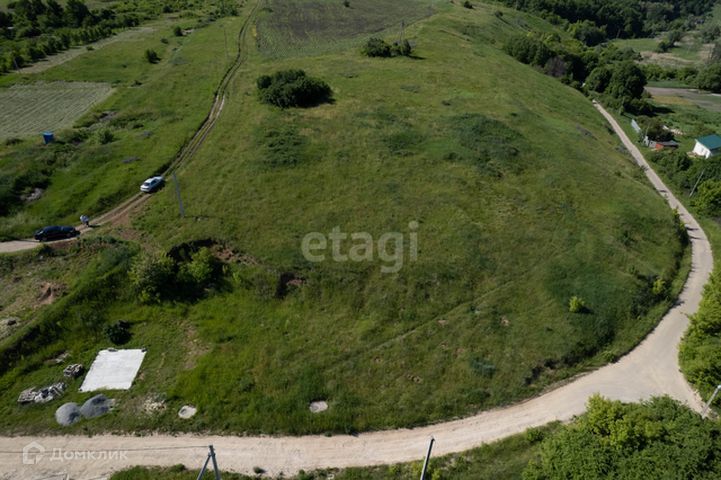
x: 113, y: 370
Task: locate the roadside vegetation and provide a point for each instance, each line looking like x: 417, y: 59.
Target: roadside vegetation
x: 611, y: 440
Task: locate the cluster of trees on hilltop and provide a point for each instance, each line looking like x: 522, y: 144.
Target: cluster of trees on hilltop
x: 34, y: 29
x: 616, y: 18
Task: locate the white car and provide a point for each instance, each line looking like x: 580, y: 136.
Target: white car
x: 151, y: 184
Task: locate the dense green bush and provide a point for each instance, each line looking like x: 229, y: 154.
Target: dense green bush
x: 293, y: 88
x: 201, y: 269
x: 708, y: 198
x: 151, y: 275
x: 376, y: 47
x: 710, y: 78
x: 656, y: 439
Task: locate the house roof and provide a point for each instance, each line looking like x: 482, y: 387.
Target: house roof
x: 712, y: 142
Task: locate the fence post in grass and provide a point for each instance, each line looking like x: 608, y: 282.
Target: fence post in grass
x: 211, y: 454
x: 693, y: 190
x: 208, y: 459
x: 177, y: 194
x: 427, y: 460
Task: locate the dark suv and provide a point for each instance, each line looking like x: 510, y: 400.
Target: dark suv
x: 55, y: 233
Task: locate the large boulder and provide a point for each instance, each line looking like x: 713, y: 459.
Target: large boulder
x: 67, y: 414
x: 96, y: 406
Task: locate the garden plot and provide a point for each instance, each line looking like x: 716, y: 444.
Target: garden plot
x: 113, y: 370
x: 34, y: 108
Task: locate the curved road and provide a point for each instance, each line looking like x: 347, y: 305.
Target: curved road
x: 649, y: 370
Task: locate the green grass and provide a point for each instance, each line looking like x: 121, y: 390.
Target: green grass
x: 155, y: 109
x: 523, y: 199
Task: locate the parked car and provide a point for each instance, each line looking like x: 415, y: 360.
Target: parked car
x: 151, y: 184
x: 55, y: 232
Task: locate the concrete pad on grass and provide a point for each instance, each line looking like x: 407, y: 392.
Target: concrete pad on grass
x: 113, y: 370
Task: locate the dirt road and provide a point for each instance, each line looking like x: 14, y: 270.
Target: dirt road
x: 649, y: 370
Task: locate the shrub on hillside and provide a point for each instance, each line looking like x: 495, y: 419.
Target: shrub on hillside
x: 377, y: 47
x: 293, y: 88
x: 151, y: 275
x: 201, y: 269
x: 118, y: 333
x: 152, y: 56
x: 577, y: 305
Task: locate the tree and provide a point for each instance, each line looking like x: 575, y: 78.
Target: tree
x: 152, y: 276
x: 76, y: 12
x: 292, y: 88
x: 599, y: 79
x: 588, y: 33
x: 655, y: 131
x: 710, y: 78
x: 177, y: 31
x: 708, y: 198
x: 627, y: 81
x: 376, y: 47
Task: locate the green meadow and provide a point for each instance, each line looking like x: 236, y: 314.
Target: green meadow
x: 522, y: 196
x: 120, y: 141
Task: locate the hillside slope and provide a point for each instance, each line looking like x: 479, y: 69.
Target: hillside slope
x: 522, y: 198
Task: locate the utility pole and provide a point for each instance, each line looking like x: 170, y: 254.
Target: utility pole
x: 181, y: 209
x: 710, y: 401
x: 211, y: 456
x: 693, y: 190
x: 428, y: 459
x: 225, y: 32
x: 403, y: 26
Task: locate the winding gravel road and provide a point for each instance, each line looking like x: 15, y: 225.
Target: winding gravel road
x: 649, y: 370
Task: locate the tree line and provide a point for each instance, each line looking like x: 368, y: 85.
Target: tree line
x: 31, y: 30
x: 617, y: 18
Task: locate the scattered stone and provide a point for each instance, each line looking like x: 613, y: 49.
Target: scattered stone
x: 27, y: 396
x: 154, y: 404
x: 146, y: 134
x: 74, y: 370
x: 33, y: 196
x: 9, y: 321
x: 49, y: 292
x: 187, y: 411
x: 43, y: 395
x: 67, y: 414
x: 50, y: 393
x: 131, y: 159
x: 318, y: 406
x: 97, y: 406
x: 59, y: 359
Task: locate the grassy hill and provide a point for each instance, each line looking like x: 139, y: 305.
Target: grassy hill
x: 523, y: 200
